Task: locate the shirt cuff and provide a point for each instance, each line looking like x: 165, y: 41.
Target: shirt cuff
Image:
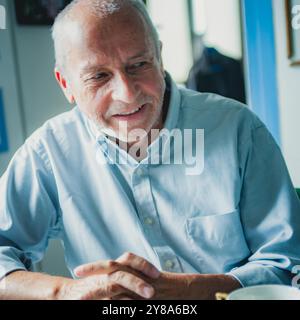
x: 9, y: 268
x: 252, y: 274
x: 9, y: 261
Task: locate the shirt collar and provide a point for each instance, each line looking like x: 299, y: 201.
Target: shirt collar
x: 174, y: 104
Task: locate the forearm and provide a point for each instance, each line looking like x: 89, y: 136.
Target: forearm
x: 193, y: 286
x: 24, y: 285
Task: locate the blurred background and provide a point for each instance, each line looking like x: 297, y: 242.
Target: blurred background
x: 243, y: 49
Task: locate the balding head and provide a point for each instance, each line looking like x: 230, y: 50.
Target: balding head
x: 109, y: 63
x: 72, y: 22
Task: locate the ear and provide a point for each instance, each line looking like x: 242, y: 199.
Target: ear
x: 160, y: 46
x: 64, y: 85
x: 161, y: 59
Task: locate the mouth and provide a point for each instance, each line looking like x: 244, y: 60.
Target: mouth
x: 130, y: 115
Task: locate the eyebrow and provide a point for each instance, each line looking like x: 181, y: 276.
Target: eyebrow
x: 89, y: 68
x: 139, y: 55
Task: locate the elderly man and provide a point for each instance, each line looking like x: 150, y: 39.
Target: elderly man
x: 133, y: 225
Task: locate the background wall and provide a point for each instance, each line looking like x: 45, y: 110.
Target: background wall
x: 169, y: 25
x: 31, y: 97
x: 41, y: 96
x: 223, y: 26
x: 11, y: 98
x: 218, y: 21
x: 289, y: 95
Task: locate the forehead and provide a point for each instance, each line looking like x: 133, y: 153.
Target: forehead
x: 121, y: 35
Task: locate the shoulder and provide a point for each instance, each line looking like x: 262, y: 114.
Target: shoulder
x: 209, y: 102
x: 57, y: 135
x: 57, y: 129
x: 211, y: 112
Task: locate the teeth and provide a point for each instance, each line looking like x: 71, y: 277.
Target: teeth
x: 132, y: 112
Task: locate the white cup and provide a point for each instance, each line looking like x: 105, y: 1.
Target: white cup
x: 265, y: 292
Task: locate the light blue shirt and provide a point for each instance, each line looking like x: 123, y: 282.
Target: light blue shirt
x: 240, y: 215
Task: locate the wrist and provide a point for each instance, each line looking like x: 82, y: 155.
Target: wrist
x: 206, y: 286
x: 61, y: 289
x: 174, y: 286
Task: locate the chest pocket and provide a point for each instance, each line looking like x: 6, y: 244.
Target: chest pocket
x: 217, y: 241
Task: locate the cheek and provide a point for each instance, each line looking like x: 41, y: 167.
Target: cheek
x: 94, y: 102
x: 155, y: 88
x: 90, y: 99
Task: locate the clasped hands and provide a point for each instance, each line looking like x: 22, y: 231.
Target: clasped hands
x: 129, y: 277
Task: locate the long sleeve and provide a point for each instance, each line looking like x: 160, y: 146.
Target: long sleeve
x: 270, y: 213
x: 28, y: 215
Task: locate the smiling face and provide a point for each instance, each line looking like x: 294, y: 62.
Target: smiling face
x: 114, y: 74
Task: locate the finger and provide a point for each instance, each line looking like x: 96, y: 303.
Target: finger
x: 99, y: 267
x: 140, y: 264
x: 132, y: 283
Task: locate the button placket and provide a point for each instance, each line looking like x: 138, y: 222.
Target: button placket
x: 169, y: 264
x: 150, y: 221
x: 168, y: 259
x: 145, y: 206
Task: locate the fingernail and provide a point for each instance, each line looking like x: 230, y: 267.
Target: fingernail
x: 77, y: 272
x: 148, y: 292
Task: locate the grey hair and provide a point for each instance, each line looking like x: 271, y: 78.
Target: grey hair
x: 102, y: 8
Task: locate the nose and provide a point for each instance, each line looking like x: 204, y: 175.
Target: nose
x: 124, y: 89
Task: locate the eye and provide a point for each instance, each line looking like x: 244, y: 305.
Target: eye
x: 137, y: 66
x: 100, y: 76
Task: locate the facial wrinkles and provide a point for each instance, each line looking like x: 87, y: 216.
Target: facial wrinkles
x: 97, y: 93
x: 102, y: 122
x: 114, y: 52
x: 102, y: 107
x: 117, y: 107
x: 102, y: 119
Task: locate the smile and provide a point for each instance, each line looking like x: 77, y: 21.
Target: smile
x: 131, y: 112
x: 134, y: 115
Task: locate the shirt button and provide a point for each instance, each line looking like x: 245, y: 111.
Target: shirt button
x: 169, y: 264
x: 149, y: 221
